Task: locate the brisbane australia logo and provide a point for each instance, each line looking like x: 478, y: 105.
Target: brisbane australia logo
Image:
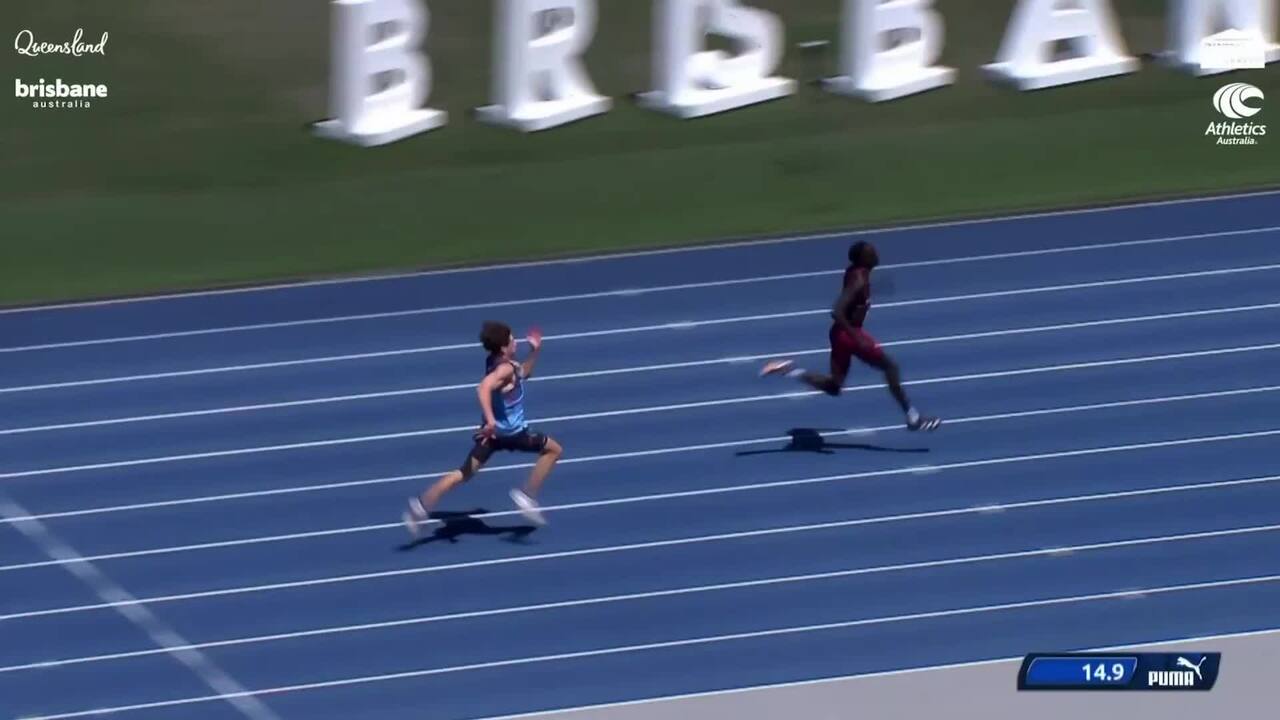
x: 58, y: 93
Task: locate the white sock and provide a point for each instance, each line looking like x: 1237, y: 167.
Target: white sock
x: 913, y: 417
x: 796, y: 373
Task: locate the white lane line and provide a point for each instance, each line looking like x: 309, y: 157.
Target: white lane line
x: 681, y: 324
x: 643, y: 368
x: 546, y: 714
x: 605, y: 550
x: 415, y: 477
x: 675, y: 495
x: 705, y: 640
x: 167, y: 640
x: 1051, y: 552
x: 738, y: 585
x: 250, y: 494
x: 335, y: 442
x: 759, y: 242
x: 335, y: 399
x: 612, y: 371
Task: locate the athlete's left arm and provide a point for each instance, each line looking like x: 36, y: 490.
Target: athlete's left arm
x: 535, y: 345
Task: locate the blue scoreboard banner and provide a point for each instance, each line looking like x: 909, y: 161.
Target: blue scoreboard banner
x: 1119, y: 671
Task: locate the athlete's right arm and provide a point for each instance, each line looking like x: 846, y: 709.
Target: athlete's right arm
x: 535, y: 346
x: 500, y: 376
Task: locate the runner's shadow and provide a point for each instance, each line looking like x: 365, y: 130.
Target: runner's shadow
x: 811, y: 440
x: 456, y: 524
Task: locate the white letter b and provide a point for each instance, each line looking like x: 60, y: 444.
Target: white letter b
x: 376, y: 40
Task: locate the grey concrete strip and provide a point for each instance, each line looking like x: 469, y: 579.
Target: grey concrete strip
x: 1246, y: 689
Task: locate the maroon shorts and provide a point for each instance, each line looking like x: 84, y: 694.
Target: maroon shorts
x: 845, y: 347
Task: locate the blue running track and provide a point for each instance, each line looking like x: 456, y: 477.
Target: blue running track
x: 200, y: 494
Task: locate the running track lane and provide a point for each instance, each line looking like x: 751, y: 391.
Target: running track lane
x: 921, y: 566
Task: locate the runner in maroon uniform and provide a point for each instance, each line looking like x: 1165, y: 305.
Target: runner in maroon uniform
x: 850, y: 340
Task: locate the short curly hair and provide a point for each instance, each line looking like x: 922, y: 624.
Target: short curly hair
x: 494, y: 336
x: 863, y: 254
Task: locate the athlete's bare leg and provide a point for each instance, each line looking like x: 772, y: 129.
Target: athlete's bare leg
x: 546, y: 461
x: 421, y: 507
x: 832, y: 384
x: 893, y: 377
x: 829, y: 384
x: 526, y: 499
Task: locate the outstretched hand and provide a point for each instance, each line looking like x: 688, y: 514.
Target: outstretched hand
x: 535, y: 338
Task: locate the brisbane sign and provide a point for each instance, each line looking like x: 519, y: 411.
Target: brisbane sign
x: 381, y: 70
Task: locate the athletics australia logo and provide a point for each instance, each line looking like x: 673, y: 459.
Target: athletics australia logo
x: 1231, y: 101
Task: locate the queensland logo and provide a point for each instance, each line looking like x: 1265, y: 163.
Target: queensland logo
x: 26, y: 44
x: 1233, y: 101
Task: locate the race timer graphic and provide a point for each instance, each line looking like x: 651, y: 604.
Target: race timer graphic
x: 1119, y: 671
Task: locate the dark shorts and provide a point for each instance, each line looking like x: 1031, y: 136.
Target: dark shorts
x: 845, y: 347
x: 526, y: 442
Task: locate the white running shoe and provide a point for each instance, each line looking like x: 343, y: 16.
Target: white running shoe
x: 528, y: 507
x: 414, y: 517
x: 928, y: 424
x: 773, y: 367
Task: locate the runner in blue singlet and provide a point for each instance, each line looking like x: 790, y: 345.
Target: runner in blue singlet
x: 503, y: 427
